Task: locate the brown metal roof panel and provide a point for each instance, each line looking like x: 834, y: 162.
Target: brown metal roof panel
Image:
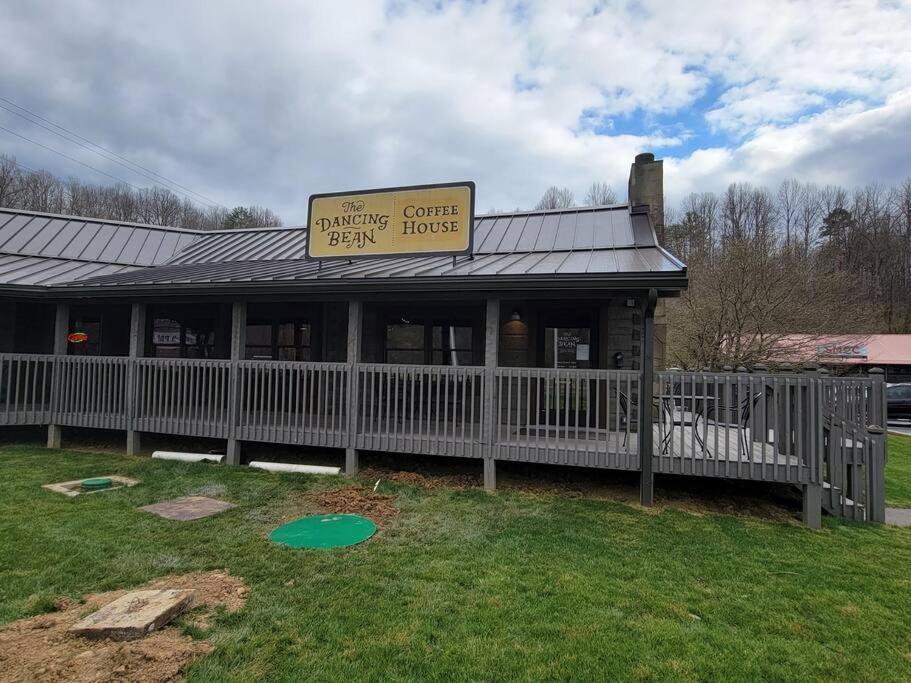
x: 150, y: 248
x: 566, y: 230
x: 92, y: 240
x: 130, y: 252
x: 530, y: 231
x: 13, y: 227
x: 548, y: 232
x: 641, y: 229
x: 37, y: 235
x: 80, y: 238
x: 549, y: 263
x: 655, y: 260
x: 584, y: 236
x: 632, y: 261
x: 19, y: 234
x: 482, y: 226
x: 513, y: 233
x: 166, y: 247
x: 520, y: 263
x: 485, y: 265
x: 494, y: 240
x: 576, y: 262
x: 603, y: 261
x: 64, y: 235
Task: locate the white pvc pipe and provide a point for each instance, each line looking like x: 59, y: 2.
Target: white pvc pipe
x: 188, y: 457
x: 288, y: 467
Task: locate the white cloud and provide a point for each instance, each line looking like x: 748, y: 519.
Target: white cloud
x: 267, y: 102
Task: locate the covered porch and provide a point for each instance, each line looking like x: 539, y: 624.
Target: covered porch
x: 563, y: 382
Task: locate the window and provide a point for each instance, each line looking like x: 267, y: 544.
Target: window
x: 278, y: 339
x: 91, y: 326
x: 416, y: 343
x: 567, y: 347
x: 405, y: 343
x: 452, y: 345
x: 194, y: 338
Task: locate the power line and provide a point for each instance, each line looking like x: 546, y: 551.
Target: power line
x: 66, y: 156
x: 123, y: 161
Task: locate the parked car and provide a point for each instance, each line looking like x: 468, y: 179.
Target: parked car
x: 898, y: 397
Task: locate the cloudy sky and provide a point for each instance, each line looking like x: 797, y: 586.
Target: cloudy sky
x: 268, y: 102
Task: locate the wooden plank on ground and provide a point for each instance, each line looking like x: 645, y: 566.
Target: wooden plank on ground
x: 134, y: 615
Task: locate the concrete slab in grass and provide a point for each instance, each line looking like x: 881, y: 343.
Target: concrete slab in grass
x: 898, y: 516
x: 134, y: 615
x: 188, y: 508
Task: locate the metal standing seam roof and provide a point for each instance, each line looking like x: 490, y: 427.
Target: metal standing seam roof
x: 598, y: 243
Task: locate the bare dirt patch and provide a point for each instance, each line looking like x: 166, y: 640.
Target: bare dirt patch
x: 354, y: 500
x: 39, y: 648
x: 429, y: 480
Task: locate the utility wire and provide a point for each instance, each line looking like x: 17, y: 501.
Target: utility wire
x: 66, y: 156
x: 120, y: 160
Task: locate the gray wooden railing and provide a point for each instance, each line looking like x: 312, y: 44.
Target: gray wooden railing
x: 90, y: 391
x: 568, y: 417
x: 26, y: 387
x: 796, y: 428
x: 420, y: 409
x: 793, y: 428
x: 182, y: 396
x: 289, y: 402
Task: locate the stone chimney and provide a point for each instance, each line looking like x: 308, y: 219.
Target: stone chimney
x: 646, y: 187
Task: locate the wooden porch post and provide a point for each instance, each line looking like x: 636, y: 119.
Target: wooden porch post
x: 137, y: 350
x: 646, y: 477
x: 491, y: 345
x: 355, y: 339
x: 812, y: 505
x: 238, y: 342
x: 61, y: 326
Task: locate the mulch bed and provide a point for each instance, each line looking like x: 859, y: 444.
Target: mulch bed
x: 354, y: 500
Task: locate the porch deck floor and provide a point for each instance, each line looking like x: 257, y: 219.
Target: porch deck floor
x: 722, y: 443
x: 685, y: 445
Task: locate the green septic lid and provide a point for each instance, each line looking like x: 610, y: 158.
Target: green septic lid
x: 99, y: 483
x: 324, y: 531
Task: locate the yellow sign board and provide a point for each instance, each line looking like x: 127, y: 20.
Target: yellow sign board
x: 423, y: 220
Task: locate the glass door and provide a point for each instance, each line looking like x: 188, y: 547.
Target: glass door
x: 566, y: 398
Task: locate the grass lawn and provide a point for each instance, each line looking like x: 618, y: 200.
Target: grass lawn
x: 469, y: 586
x: 898, y: 472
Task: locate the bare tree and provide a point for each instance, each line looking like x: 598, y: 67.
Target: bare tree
x: 42, y: 191
x: 789, y: 193
x: 10, y: 180
x: 600, y: 194
x: 809, y: 215
x: 555, y: 198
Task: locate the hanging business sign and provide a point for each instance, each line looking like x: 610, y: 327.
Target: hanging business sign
x: 419, y: 220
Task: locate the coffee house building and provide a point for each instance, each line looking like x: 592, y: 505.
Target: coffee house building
x: 395, y: 321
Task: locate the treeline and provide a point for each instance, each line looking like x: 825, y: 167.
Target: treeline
x: 43, y: 191
x: 765, y: 264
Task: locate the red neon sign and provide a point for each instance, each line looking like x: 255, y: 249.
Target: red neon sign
x: 77, y: 337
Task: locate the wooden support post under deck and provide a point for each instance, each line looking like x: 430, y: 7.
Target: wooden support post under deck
x: 646, y: 477
x: 355, y: 322
x: 238, y: 342
x: 61, y: 327
x: 812, y: 505
x: 137, y: 350
x: 491, y: 344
